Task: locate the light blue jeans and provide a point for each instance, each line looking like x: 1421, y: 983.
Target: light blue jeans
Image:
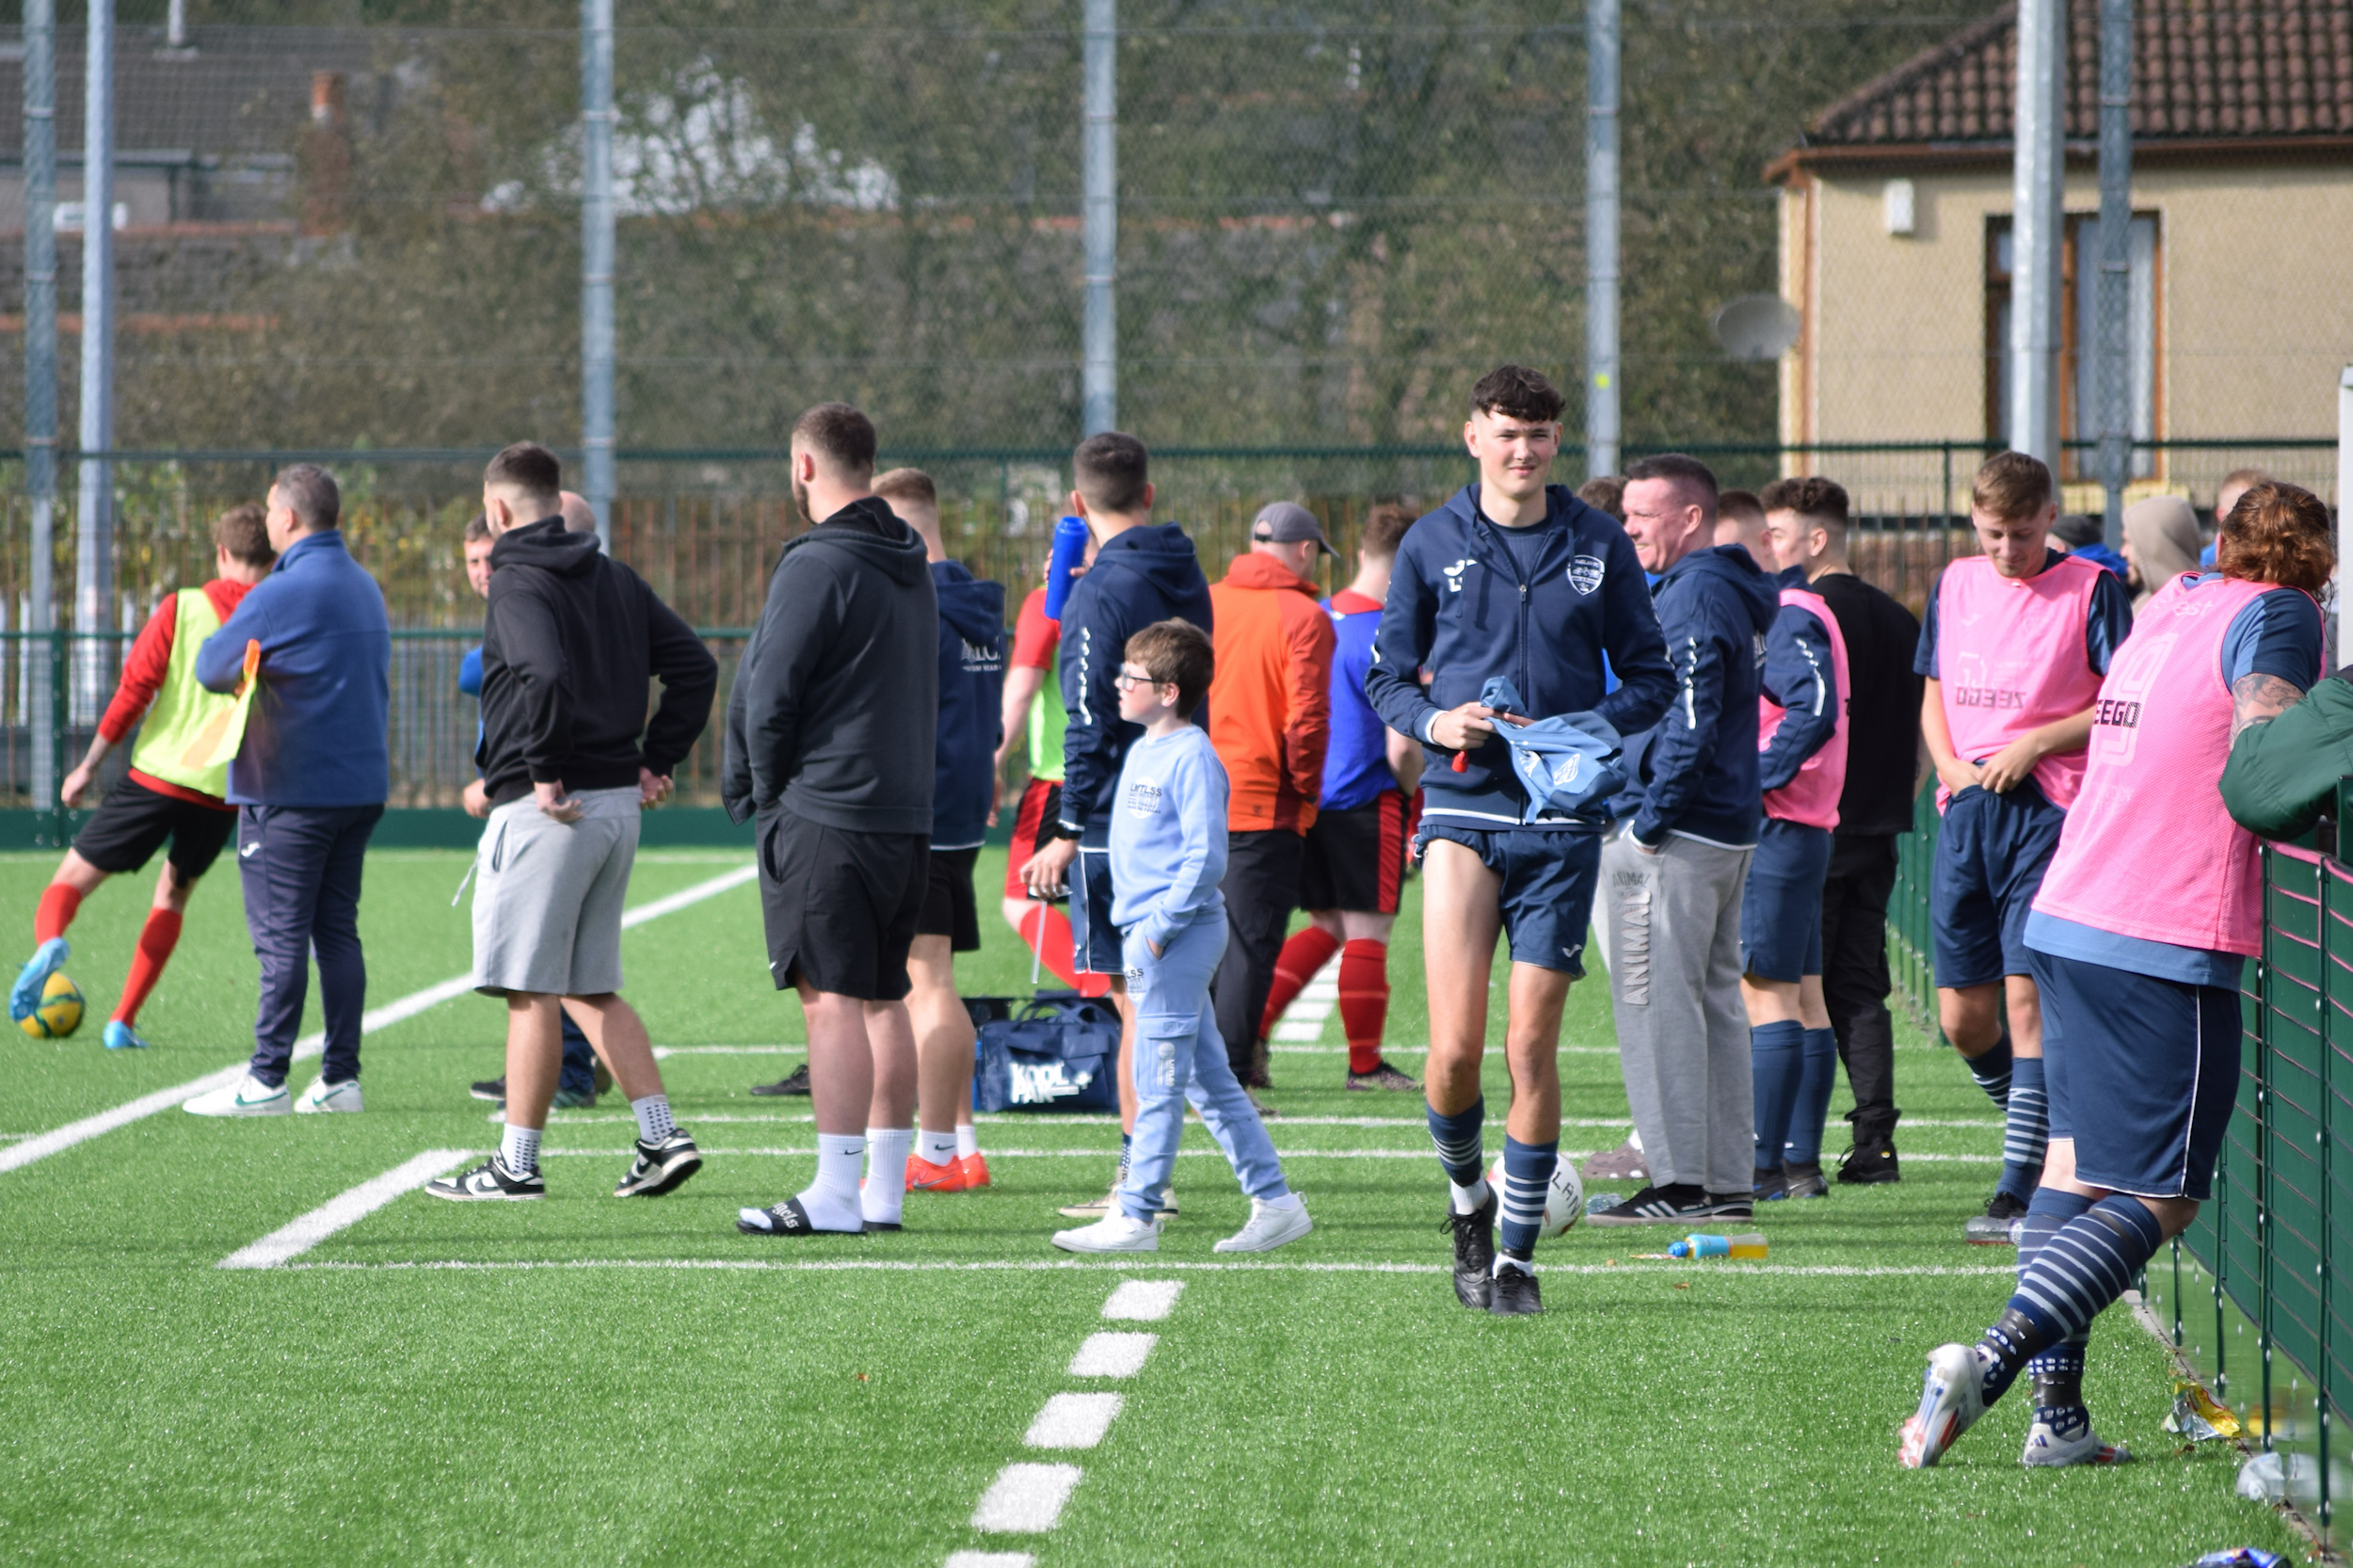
x: 1180, y: 1057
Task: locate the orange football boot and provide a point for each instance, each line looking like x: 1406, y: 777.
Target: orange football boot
x: 975, y: 1171
x: 925, y: 1176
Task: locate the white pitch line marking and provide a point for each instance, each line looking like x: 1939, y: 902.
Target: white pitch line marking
x: 66, y: 1137
x: 662, y: 1053
x: 1073, y: 1421
x: 1111, y: 1354
x: 293, y: 1240
x: 991, y: 1559
x: 1144, y: 1301
x: 1026, y: 1500
x: 757, y: 1265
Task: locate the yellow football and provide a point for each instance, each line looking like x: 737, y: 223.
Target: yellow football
x: 59, y: 1013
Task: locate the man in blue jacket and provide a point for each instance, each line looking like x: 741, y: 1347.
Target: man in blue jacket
x: 1674, y: 874
x: 309, y: 782
x: 947, y: 1154
x: 1143, y: 574
x: 1516, y: 578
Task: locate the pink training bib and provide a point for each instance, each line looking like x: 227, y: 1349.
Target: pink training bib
x: 2148, y: 850
x: 1811, y: 797
x: 2011, y: 658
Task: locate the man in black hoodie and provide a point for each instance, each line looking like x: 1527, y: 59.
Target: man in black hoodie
x: 569, y: 643
x: 830, y: 745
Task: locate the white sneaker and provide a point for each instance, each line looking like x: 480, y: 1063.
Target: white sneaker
x: 1272, y: 1224
x: 248, y: 1096
x: 1952, y: 1397
x: 323, y: 1096
x: 2047, y: 1448
x: 1113, y: 1232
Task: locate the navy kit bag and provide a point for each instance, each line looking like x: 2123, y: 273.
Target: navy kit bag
x: 1054, y: 1053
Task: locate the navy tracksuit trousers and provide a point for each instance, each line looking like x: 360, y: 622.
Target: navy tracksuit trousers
x: 300, y: 866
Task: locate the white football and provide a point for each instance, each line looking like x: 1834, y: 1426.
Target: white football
x: 1565, y: 1198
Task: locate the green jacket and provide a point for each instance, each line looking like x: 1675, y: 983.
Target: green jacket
x: 2283, y: 776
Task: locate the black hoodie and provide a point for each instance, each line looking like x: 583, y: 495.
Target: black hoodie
x: 569, y: 644
x: 837, y: 702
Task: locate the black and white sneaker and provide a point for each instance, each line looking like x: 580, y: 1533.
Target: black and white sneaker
x: 491, y: 1089
x: 1998, y: 1225
x: 660, y: 1168
x: 1513, y: 1293
x: 488, y: 1182
x: 1731, y: 1206
x: 1806, y: 1181
x: 793, y: 1082
x: 782, y: 1219
x: 1659, y: 1205
x: 1474, y: 1251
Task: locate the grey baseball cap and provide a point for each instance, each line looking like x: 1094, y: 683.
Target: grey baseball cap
x: 1288, y: 522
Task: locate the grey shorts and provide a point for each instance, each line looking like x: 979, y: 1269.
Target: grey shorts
x: 547, y: 898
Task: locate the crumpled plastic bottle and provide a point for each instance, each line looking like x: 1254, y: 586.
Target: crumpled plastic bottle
x: 2241, y: 1557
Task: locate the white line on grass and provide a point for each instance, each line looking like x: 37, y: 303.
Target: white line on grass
x: 991, y: 1559
x: 1111, y: 1354
x: 1026, y: 1500
x: 1073, y: 1421
x: 374, y: 1019
x: 1144, y: 1301
x: 876, y: 1265
x: 289, y: 1241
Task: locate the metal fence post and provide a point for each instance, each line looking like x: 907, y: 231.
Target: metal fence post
x: 60, y: 677
x: 1098, y: 397
x: 2116, y: 264
x: 1601, y: 413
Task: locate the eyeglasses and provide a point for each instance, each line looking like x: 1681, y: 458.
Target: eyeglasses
x: 1126, y: 682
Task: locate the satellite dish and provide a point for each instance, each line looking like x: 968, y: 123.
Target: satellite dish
x: 1757, y: 326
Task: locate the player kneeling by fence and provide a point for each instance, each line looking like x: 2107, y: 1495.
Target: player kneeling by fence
x: 2152, y: 903
x: 571, y: 641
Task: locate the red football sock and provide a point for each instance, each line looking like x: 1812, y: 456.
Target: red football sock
x: 58, y: 902
x: 1301, y: 959
x: 156, y: 940
x: 1364, y: 1000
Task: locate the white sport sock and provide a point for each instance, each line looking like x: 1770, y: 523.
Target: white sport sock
x: 938, y: 1147
x: 832, y: 1198
x: 968, y: 1140
x: 518, y: 1148
x: 1467, y: 1199
x: 886, y: 1192
x: 1288, y: 1201
x: 653, y: 1118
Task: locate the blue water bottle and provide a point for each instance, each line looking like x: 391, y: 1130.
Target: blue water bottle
x: 1070, y: 553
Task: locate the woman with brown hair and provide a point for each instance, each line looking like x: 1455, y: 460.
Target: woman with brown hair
x: 2151, y: 907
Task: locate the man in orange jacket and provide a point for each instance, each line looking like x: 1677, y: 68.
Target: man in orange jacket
x: 1269, y: 718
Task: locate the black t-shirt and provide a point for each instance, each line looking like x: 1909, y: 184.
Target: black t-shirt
x: 1882, y: 709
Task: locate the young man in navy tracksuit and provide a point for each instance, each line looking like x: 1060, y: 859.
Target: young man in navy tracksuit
x: 1675, y: 872
x: 309, y: 782
x: 1143, y: 574
x: 947, y: 1156
x: 1515, y: 578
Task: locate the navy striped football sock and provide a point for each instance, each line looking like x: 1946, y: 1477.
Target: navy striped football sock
x: 2057, y: 1372
x: 2027, y: 1131
x: 1814, y: 1083
x: 1527, y: 1178
x: 2088, y: 1263
x: 1462, y: 1150
x: 1991, y: 1071
x: 1776, y: 1064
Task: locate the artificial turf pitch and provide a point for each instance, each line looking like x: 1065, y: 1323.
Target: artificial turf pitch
x: 631, y: 1398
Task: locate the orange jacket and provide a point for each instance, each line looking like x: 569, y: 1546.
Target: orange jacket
x: 1270, y: 706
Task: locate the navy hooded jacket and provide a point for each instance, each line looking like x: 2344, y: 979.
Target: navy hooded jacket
x: 1697, y: 771
x: 1800, y: 675
x: 1460, y: 607
x: 1147, y: 574
x: 971, y: 710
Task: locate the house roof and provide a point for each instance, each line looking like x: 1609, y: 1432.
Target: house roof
x: 2209, y: 76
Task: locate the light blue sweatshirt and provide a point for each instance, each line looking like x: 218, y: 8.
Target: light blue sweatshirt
x: 1168, y: 836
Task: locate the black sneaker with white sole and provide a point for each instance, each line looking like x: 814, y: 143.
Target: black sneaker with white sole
x: 793, y: 1082
x: 1731, y: 1206
x: 782, y: 1219
x: 1474, y: 1251
x: 1998, y: 1225
x: 1382, y: 1076
x: 491, y: 1088
x: 1513, y: 1293
x: 660, y: 1168
x: 488, y: 1182
x: 1657, y: 1206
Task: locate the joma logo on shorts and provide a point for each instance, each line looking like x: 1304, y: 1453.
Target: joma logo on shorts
x: 1985, y: 696
x: 2116, y: 713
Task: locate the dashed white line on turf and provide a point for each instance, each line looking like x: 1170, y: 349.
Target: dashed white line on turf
x: 1073, y: 1421
x: 374, y: 1019
x: 1111, y: 1354
x: 289, y: 1241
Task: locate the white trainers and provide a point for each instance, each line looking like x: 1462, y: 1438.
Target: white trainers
x: 1272, y: 1224
x: 1113, y: 1232
x: 2047, y: 1448
x: 248, y: 1096
x: 1952, y: 1397
x: 323, y: 1096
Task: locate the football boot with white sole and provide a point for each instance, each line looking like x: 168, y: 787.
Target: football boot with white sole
x: 47, y: 960
x: 1952, y: 1397
x: 2047, y: 1449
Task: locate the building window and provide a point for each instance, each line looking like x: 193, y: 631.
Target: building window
x: 2079, y: 417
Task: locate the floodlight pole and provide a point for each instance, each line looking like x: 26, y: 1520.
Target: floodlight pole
x: 93, y: 559
x: 2344, y: 513
x: 1601, y: 427
x: 40, y: 387
x: 2037, y: 223
x: 2113, y: 294
x: 1098, y: 152
x: 596, y: 262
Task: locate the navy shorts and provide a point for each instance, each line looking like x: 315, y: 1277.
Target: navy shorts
x: 1990, y: 860
x: 1781, y: 911
x: 1093, y: 940
x: 2142, y: 1074
x: 1548, y: 879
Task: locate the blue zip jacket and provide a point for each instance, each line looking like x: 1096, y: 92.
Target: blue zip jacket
x: 1460, y: 607
x: 1144, y: 575
x: 316, y: 732
x: 1698, y: 769
x: 971, y: 710
x: 1801, y: 675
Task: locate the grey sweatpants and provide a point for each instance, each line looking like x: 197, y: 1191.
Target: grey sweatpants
x: 1671, y: 934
